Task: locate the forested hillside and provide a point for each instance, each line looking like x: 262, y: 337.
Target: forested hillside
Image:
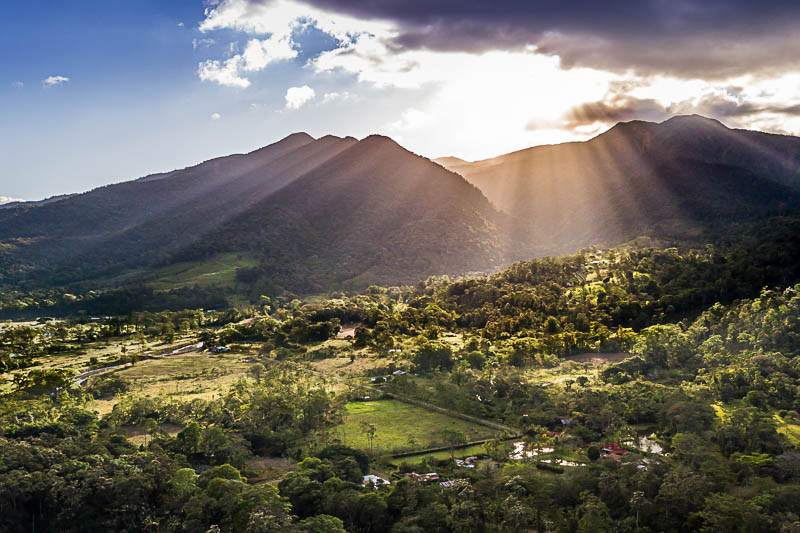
x: 308, y: 216
x: 316, y: 214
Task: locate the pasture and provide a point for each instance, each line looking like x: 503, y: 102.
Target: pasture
x: 402, y: 427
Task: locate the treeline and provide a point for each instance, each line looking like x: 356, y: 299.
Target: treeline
x: 122, y: 301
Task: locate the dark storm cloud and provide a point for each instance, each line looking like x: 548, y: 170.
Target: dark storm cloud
x: 688, y: 38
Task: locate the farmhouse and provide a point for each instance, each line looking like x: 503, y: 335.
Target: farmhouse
x: 614, y: 448
x: 375, y: 481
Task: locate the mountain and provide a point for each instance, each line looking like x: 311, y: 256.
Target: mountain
x: 675, y: 179
x: 310, y: 214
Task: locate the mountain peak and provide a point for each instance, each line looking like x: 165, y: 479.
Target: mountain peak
x: 693, y: 121
x: 376, y: 140
x: 298, y: 136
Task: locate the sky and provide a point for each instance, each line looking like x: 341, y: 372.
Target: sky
x: 96, y: 92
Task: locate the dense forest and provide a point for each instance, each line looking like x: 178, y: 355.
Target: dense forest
x: 637, y: 388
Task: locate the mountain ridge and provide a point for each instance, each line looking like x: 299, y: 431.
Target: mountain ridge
x: 686, y: 174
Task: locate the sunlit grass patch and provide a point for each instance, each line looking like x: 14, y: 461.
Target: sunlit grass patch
x: 400, y: 426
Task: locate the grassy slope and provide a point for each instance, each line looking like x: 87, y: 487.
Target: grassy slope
x: 216, y: 271
x: 397, y: 423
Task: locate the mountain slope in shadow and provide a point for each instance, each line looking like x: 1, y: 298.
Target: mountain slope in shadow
x: 315, y: 212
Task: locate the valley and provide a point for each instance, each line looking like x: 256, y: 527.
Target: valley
x: 342, y: 332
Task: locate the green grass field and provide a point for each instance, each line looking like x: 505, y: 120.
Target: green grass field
x: 402, y: 427
x: 220, y: 270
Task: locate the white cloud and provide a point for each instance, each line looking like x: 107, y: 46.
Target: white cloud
x: 296, y: 97
x: 8, y: 200
x: 18, y: 85
x: 260, y: 53
x: 226, y: 73
x: 256, y: 56
x: 281, y: 17
x: 411, y: 119
x: 215, y: 116
x: 205, y: 43
x: 343, y: 96
x: 51, y: 81
x: 278, y: 19
x: 180, y: 24
x: 472, y: 104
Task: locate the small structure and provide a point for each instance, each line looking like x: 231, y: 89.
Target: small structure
x: 469, y: 462
x: 614, y: 448
x: 220, y: 349
x: 398, y: 373
x: 375, y: 481
x: 425, y: 478
x: 446, y: 484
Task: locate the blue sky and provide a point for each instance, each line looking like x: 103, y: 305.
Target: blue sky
x: 99, y: 92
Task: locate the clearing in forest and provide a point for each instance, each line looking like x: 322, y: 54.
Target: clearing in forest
x: 402, y: 427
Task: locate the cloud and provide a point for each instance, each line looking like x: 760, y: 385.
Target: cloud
x: 180, y: 25
x: 260, y: 53
x: 296, y: 97
x: 411, y: 119
x: 215, y: 116
x: 256, y: 56
x: 52, y: 81
x: 487, y: 78
x: 752, y: 104
x: 686, y: 38
x: 277, y: 19
x: 343, y: 96
x: 225, y: 73
x: 18, y: 85
x: 612, y: 109
x: 8, y: 200
x: 204, y: 43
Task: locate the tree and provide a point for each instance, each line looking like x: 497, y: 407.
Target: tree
x: 256, y: 370
x: 637, y: 503
x: 433, y: 356
x: 321, y: 524
x: 370, y: 431
x: 150, y: 427
x: 593, y: 452
x: 594, y: 515
x: 452, y: 439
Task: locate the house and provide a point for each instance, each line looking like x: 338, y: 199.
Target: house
x: 398, y: 373
x: 446, y: 484
x: 220, y: 349
x: 375, y: 481
x: 614, y: 448
x: 425, y: 478
x: 469, y: 462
